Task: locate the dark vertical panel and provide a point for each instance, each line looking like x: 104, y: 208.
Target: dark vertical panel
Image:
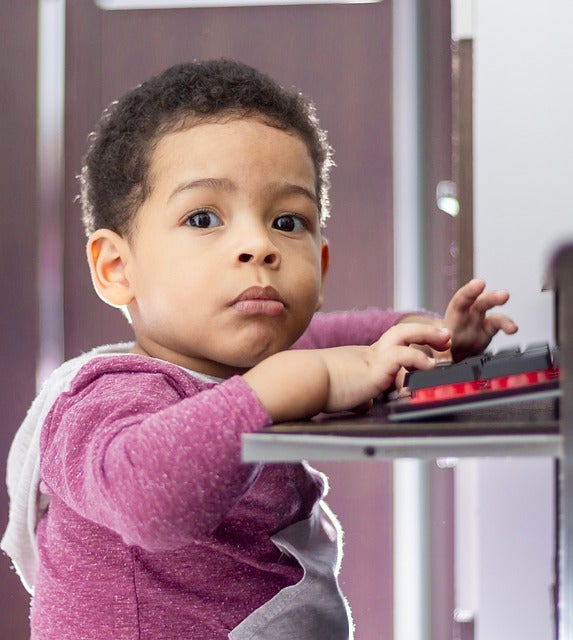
x: 339, y: 56
x: 18, y: 332
x: 463, y: 154
x: 361, y: 495
x: 87, y: 321
x: 439, y: 228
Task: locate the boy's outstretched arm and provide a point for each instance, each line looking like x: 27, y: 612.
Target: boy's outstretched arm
x: 301, y: 383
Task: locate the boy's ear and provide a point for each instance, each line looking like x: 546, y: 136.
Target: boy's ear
x: 324, y: 264
x: 107, y: 254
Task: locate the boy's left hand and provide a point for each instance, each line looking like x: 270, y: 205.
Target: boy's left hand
x: 471, y: 327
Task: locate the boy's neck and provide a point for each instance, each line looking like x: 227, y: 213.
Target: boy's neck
x: 209, y: 369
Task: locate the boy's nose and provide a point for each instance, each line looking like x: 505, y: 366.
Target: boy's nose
x: 269, y: 258
x: 259, y: 249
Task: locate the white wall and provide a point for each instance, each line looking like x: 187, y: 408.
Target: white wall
x: 523, y: 149
x: 523, y: 114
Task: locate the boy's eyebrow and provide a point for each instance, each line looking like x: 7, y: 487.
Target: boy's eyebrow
x: 291, y: 188
x: 204, y: 183
x: 224, y: 184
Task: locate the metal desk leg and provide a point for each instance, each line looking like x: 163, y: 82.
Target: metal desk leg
x: 563, y: 271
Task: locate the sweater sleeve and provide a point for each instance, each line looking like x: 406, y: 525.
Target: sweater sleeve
x: 149, y: 454
x: 347, y: 328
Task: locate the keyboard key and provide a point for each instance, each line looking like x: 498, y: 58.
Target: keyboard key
x: 505, y: 364
x: 447, y: 373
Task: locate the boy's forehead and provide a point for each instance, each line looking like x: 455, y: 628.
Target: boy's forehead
x: 208, y: 145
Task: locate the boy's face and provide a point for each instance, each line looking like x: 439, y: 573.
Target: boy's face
x: 226, y: 259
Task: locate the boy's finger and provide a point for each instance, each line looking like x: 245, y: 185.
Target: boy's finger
x: 497, y: 322
x: 411, y: 359
x: 489, y: 300
x: 466, y: 295
x: 471, y: 290
x: 415, y: 333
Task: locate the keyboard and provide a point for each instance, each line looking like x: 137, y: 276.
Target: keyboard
x: 509, y: 375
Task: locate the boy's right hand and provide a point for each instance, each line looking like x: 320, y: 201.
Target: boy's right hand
x: 299, y: 384
x: 358, y: 374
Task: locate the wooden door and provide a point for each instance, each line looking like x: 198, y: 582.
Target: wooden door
x: 339, y: 55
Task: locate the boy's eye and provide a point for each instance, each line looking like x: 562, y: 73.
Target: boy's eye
x: 203, y: 220
x: 289, y: 223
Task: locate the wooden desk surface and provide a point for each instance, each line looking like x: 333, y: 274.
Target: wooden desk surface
x: 528, y: 428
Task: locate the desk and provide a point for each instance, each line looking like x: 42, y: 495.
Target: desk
x: 524, y: 430
x: 529, y: 429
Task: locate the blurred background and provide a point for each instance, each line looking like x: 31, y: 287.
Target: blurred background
x: 429, y: 104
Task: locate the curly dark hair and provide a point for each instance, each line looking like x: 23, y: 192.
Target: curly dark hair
x: 114, y: 179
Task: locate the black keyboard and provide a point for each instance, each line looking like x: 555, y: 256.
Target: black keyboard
x: 488, y: 379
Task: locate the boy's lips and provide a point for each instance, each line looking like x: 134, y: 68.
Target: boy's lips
x: 264, y: 301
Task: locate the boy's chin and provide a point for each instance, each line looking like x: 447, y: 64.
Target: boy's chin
x: 248, y: 361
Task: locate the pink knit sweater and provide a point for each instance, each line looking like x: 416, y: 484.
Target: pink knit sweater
x: 155, y: 528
